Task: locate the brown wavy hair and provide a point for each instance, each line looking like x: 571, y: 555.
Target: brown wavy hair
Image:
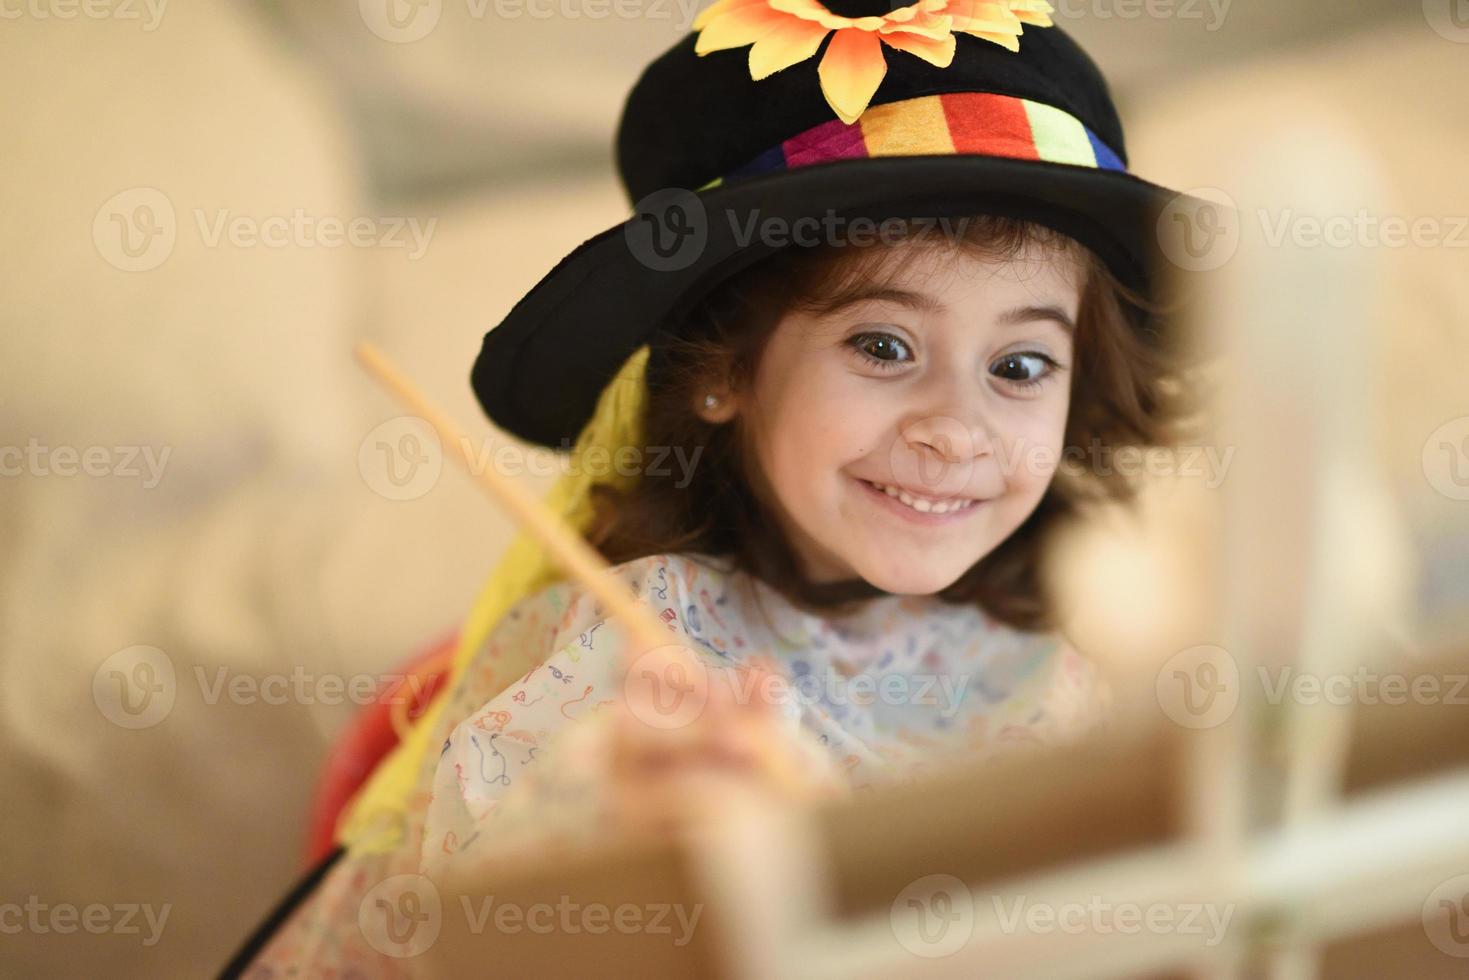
x: 1127, y: 390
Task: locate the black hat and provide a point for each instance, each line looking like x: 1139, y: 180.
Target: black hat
x: 723, y: 169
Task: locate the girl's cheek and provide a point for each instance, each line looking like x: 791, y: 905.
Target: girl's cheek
x: 1029, y: 451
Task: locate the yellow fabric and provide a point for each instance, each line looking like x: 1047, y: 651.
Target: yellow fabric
x: 374, y: 821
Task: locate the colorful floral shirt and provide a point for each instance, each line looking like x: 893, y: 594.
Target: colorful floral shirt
x: 885, y: 695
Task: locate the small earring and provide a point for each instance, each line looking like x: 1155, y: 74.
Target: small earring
x: 710, y: 401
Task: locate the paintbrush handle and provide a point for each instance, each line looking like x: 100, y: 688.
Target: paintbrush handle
x: 577, y: 558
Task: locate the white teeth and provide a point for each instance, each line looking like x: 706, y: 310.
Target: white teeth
x: 924, y: 506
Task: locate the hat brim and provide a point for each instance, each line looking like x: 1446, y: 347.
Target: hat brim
x: 540, y: 372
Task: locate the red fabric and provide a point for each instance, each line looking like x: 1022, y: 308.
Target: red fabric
x: 980, y: 122
x: 365, y: 742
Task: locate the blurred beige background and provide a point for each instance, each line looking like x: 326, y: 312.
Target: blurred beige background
x: 265, y: 542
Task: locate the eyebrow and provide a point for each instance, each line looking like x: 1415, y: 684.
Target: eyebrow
x: 924, y: 303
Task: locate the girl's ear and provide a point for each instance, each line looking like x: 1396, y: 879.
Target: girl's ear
x: 716, y: 407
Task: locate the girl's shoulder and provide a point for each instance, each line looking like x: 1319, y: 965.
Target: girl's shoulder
x: 657, y: 575
x: 667, y: 581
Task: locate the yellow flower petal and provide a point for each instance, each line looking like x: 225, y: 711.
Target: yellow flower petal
x: 851, y: 70
x: 1010, y: 42
x: 937, y: 53
x: 738, y: 27
x: 1035, y: 12
x: 790, y: 43
x: 934, y: 26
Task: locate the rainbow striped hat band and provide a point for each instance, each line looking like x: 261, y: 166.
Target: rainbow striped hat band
x: 955, y: 123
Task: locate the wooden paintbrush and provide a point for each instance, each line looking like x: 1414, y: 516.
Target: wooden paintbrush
x: 570, y: 550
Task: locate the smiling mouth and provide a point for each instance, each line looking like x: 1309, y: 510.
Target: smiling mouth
x: 923, y: 505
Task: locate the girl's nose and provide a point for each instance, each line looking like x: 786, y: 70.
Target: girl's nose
x: 947, y: 438
x: 937, y: 453
x: 954, y: 431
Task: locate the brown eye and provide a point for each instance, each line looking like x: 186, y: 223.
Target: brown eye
x: 1026, y: 369
x: 882, y: 349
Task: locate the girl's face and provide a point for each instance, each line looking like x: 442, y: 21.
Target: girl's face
x: 948, y: 385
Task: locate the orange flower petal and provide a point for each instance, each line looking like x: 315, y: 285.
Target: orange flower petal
x: 813, y: 11
x: 791, y: 42
x: 937, y: 53
x: 717, y: 8
x: 934, y: 26
x: 738, y: 27
x: 982, y: 15
x: 851, y: 70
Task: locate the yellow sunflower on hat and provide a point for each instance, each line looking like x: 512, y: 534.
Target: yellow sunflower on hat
x: 785, y: 32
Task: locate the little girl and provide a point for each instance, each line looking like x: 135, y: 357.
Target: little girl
x: 876, y: 427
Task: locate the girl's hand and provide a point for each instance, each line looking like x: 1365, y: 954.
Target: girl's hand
x: 685, y: 732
